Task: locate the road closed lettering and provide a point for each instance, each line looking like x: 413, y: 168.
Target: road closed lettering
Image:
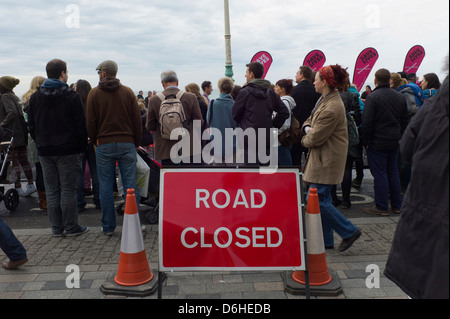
x: 255, y: 198
x: 230, y: 219
x: 242, y: 237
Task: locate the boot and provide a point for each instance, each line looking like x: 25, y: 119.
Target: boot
x: 42, y: 200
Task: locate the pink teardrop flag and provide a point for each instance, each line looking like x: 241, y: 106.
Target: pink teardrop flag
x: 315, y: 60
x: 414, y: 59
x: 265, y: 59
x: 364, y: 65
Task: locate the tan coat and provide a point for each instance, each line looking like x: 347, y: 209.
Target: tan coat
x: 192, y: 111
x: 327, y: 143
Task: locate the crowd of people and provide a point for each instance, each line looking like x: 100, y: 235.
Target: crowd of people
x: 107, y: 124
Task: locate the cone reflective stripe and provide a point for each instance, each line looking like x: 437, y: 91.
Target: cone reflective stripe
x: 133, y: 269
x: 317, y: 262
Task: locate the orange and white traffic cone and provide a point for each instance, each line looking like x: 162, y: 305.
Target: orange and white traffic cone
x: 134, y: 269
x: 317, y: 262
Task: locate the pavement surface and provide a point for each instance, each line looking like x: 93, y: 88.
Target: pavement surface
x: 48, y: 272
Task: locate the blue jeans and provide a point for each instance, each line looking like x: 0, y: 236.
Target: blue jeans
x: 61, y: 180
x: 284, y: 156
x: 386, y: 178
x: 107, y: 155
x: 10, y: 244
x: 332, y: 219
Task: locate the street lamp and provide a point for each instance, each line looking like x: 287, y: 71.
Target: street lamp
x: 228, y: 63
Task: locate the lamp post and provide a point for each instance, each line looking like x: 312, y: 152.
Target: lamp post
x: 228, y: 63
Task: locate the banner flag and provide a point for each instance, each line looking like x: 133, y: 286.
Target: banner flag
x: 315, y: 60
x: 364, y: 65
x: 265, y: 59
x: 414, y: 59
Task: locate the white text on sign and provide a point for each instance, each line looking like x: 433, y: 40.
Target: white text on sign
x: 256, y: 196
x: 244, y: 237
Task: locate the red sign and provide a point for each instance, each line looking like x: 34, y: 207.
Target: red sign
x: 227, y: 219
x: 364, y: 65
x: 414, y: 59
x: 315, y: 60
x: 265, y: 59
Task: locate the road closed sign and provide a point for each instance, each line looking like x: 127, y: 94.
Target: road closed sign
x: 228, y: 219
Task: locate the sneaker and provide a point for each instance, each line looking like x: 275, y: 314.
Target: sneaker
x: 30, y: 189
x: 20, y: 191
x: 80, y: 230
x: 61, y: 234
x: 347, y: 243
x: 375, y: 211
x: 108, y: 233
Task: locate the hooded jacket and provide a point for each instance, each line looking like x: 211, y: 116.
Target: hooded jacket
x: 112, y: 114
x: 255, y: 105
x: 11, y: 117
x: 56, y: 120
x: 254, y: 108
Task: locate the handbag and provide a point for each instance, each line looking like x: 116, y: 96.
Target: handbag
x: 142, y: 176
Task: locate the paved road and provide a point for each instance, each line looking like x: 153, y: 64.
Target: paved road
x: 97, y: 256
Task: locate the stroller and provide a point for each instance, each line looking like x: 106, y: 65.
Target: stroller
x: 11, y: 197
x: 152, y: 199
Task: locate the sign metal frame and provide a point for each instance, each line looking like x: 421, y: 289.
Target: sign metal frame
x: 300, y: 208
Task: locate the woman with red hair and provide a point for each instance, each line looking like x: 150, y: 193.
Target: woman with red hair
x: 326, y: 137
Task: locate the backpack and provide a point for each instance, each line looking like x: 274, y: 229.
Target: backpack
x: 413, y: 96
x: 353, y: 134
x: 171, y: 114
x: 292, y: 135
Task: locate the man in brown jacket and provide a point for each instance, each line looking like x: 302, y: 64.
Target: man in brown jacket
x: 163, y: 147
x: 114, y: 125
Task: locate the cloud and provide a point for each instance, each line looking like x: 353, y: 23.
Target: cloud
x: 148, y: 37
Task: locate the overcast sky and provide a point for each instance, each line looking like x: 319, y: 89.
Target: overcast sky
x: 146, y: 38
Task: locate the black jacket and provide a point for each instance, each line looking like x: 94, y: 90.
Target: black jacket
x: 305, y: 97
x: 384, y: 119
x: 255, y: 105
x: 57, y: 122
x: 418, y: 261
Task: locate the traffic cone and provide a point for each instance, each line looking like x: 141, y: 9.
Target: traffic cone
x: 317, y: 262
x: 134, y: 269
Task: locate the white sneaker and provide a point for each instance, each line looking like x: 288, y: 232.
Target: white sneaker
x: 30, y: 189
x: 20, y: 191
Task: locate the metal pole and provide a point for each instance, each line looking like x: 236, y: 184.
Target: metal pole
x: 228, y: 62
x: 303, y: 208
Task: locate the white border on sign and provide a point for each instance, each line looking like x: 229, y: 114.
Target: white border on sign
x: 229, y: 170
